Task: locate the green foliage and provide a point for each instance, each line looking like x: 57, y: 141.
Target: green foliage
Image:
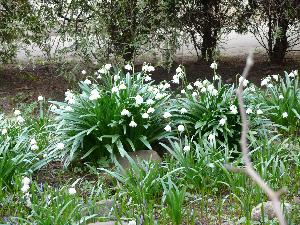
x: 174, y: 200
x: 118, y: 114
x: 281, y: 101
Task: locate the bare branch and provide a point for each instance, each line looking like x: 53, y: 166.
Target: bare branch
x: 249, y: 169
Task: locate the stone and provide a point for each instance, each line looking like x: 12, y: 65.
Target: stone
x: 139, y: 156
x: 269, y: 212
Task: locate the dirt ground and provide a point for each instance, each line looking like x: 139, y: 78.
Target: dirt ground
x: 27, y: 84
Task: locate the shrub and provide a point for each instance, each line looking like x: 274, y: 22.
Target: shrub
x: 281, y: 100
x: 121, y: 112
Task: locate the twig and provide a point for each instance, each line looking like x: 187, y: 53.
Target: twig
x: 249, y: 169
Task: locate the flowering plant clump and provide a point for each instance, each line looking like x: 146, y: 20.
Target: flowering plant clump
x: 116, y: 112
x: 281, y: 101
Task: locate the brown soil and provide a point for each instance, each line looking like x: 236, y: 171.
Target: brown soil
x: 26, y: 85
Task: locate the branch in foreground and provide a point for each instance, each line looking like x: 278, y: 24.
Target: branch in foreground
x: 249, y: 169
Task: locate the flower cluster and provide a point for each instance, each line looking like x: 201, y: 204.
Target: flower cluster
x: 25, y: 189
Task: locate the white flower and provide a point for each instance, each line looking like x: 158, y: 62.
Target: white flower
x: 107, y: 66
x: 198, y: 84
x: 166, y: 86
x: 138, y: 100
x: 17, y: 112
x: 216, y: 77
x: 20, y: 119
x: 186, y: 148
x: 275, y: 77
x: 194, y: 94
x: 284, y: 115
x: 26, y: 181
x: 125, y: 112
x: 183, y: 110
x: 150, y: 102
x: 94, y: 95
x: 83, y: 72
x: 25, y: 188
x: 99, y: 77
x: 132, y: 222
x: 182, y: 91
x: 151, y: 68
x: 128, y: 67
x: 167, y: 115
x: 132, y: 124
x: 233, y: 109
x: 33, y: 141
x: 145, y: 115
x: 115, y: 89
x: 281, y: 97
x: 168, y: 128
x: 176, y: 79
x: 214, y: 66
x: 293, y: 73
x: 40, y: 98
x: 210, y: 88
x: 211, y: 137
x: 150, y: 110
x: 222, y: 121
x: 259, y: 112
x: 148, y: 78
x: 245, y: 81
x: 4, y: 131
x: 116, y: 77
x: 122, y: 86
x: 34, y: 147
x: 189, y: 87
x: 60, y: 146
x: 214, y: 92
x: 203, y: 90
x: 87, y: 81
x: 249, y: 111
x: 180, y: 128
x: 205, y: 82
x: 72, y: 191
x: 159, y: 96
x: 102, y: 71
x: 148, y: 68
x: 265, y: 81
x: 179, y: 70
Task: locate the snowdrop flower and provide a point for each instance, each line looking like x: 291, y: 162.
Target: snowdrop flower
x: 34, y: 147
x: 115, y: 89
x: 265, y: 81
x: 168, y: 128
x: 293, y: 74
x: 132, y: 124
x: 259, y: 112
x: 159, y: 96
x: 167, y: 85
x: 125, y: 112
x: 233, y: 109
x: 151, y: 68
x: 20, y: 119
x: 194, y: 94
x: 107, y: 66
x: 122, y: 86
x: 180, y: 128
x: 245, y: 81
x: 275, y: 77
x: 167, y: 115
x: 203, y: 90
x: 72, y: 191
x: 116, y: 77
x: 284, y: 115
x: 132, y: 222
x: 87, y: 81
x: 216, y: 77
x: 60, y: 146
x: 145, y: 115
x: 26, y: 181
x: 94, y: 95
x: 25, y: 188
x: 179, y: 70
x: 4, y: 131
x: 99, y: 77
x: 138, y: 100
x: 186, y: 148
x: 83, y: 72
x: 182, y: 91
x: 214, y: 92
x: 211, y: 137
x: 205, y: 82
x: 150, y: 102
x: 189, y: 87
x: 281, y: 97
x: 17, y: 112
x: 148, y: 78
x: 210, y: 88
x: 214, y: 65
x: 148, y: 68
x: 150, y: 110
x: 175, y: 79
x: 128, y: 67
x: 40, y: 98
x: 198, y: 84
x: 102, y: 71
x: 222, y: 121
x: 33, y: 141
x: 183, y: 110
x: 249, y: 111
